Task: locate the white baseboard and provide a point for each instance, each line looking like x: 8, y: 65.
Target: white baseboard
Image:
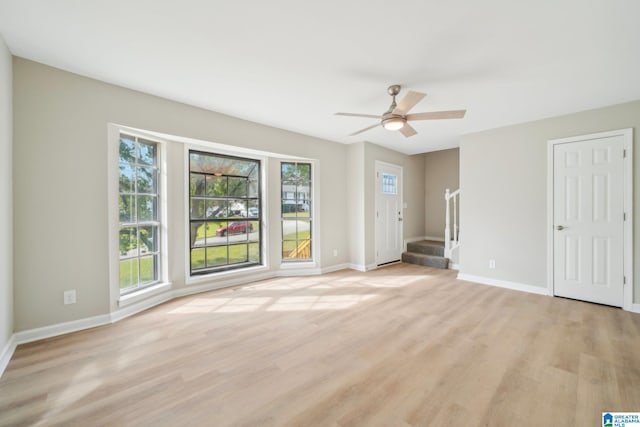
x: 140, y: 306
x: 61, y: 328
x: 503, y: 284
x: 333, y: 268
x: 453, y: 266
x: 363, y: 268
x: 7, y: 353
x: 635, y: 308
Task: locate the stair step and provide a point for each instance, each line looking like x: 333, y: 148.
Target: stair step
x: 425, y: 259
x: 427, y: 247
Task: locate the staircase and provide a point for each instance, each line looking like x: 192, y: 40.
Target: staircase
x: 437, y: 254
x: 426, y: 252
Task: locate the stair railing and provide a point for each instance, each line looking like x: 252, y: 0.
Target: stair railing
x: 451, y: 233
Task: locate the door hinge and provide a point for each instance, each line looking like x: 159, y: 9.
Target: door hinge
x: 377, y: 214
x: 624, y: 216
x: 377, y: 174
x: 624, y: 280
x: 624, y: 153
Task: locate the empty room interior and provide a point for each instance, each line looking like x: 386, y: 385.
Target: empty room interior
x: 335, y: 214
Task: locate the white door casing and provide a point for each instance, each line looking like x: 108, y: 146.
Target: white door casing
x: 388, y: 220
x: 588, y: 218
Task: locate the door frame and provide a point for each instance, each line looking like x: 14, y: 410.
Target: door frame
x: 627, y: 260
x: 375, y: 207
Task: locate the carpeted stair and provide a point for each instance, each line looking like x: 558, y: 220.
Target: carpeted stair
x: 426, y: 252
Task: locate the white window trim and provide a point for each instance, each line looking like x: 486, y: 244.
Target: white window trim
x: 226, y: 274
x: 113, y: 141
x: 304, y: 266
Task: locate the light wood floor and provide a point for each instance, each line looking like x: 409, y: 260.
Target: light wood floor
x: 400, y: 346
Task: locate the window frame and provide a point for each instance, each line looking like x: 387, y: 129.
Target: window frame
x: 311, y: 218
x: 163, y: 284
x: 137, y: 224
x: 206, y: 274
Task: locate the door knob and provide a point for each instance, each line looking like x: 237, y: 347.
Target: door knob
x: 560, y: 227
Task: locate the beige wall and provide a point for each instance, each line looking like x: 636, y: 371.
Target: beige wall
x: 503, y: 176
x: 355, y: 202
x: 6, y: 197
x: 61, y: 184
x: 441, y: 171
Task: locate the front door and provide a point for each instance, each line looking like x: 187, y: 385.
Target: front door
x: 388, y: 213
x: 588, y: 206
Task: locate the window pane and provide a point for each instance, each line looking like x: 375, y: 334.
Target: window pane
x: 146, y: 208
x: 221, y: 229
x: 197, y: 258
x: 196, y: 184
x: 238, y: 253
x: 216, y: 256
x: 197, y: 208
x: 304, y: 230
x: 147, y: 269
x: 128, y: 242
x: 146, y: 180
x: 216, y: 186
x: 216, y: 208
x: 147, y: 152
x: 128, y: 273
x: 216, y: 229
x: 237, y: 187
x: 254, y: 230
x: 148, y: 239
x: 254, y: 252
x: 254, y: 210
x: 254, y: 183
x: 289, y: 229
x: 197, y: 234
x: 126, y: 178
x: 389, y: 184
x: 126, y: 206
x: 288, y: 246
x: 237, y: 208
x: 127, y: 149
x: 304, y: 174
x: 288, y: 191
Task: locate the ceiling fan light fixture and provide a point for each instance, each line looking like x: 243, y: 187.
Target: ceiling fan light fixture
x: 393, y: 123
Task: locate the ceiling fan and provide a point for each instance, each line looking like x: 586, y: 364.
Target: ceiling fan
x: 396, y: 117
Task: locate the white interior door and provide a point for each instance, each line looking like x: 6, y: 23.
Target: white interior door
x: 588, y: 206
x: 388, y: 213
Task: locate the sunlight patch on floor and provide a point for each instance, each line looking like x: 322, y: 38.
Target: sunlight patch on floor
x: 83, y: 382
x: 288, y: 303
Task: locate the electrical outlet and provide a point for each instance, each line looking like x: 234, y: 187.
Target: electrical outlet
x: 70, y: 296
x: 492, y: 263
x: 335, y: 252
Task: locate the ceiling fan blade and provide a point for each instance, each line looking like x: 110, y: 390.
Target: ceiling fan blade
x: 437, y: 115
x: 407, y: 130
x: 365, y: 129
x: 408, y: 102
x: 371, y: 116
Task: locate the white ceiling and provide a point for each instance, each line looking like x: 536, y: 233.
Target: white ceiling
x: 292, y: 64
